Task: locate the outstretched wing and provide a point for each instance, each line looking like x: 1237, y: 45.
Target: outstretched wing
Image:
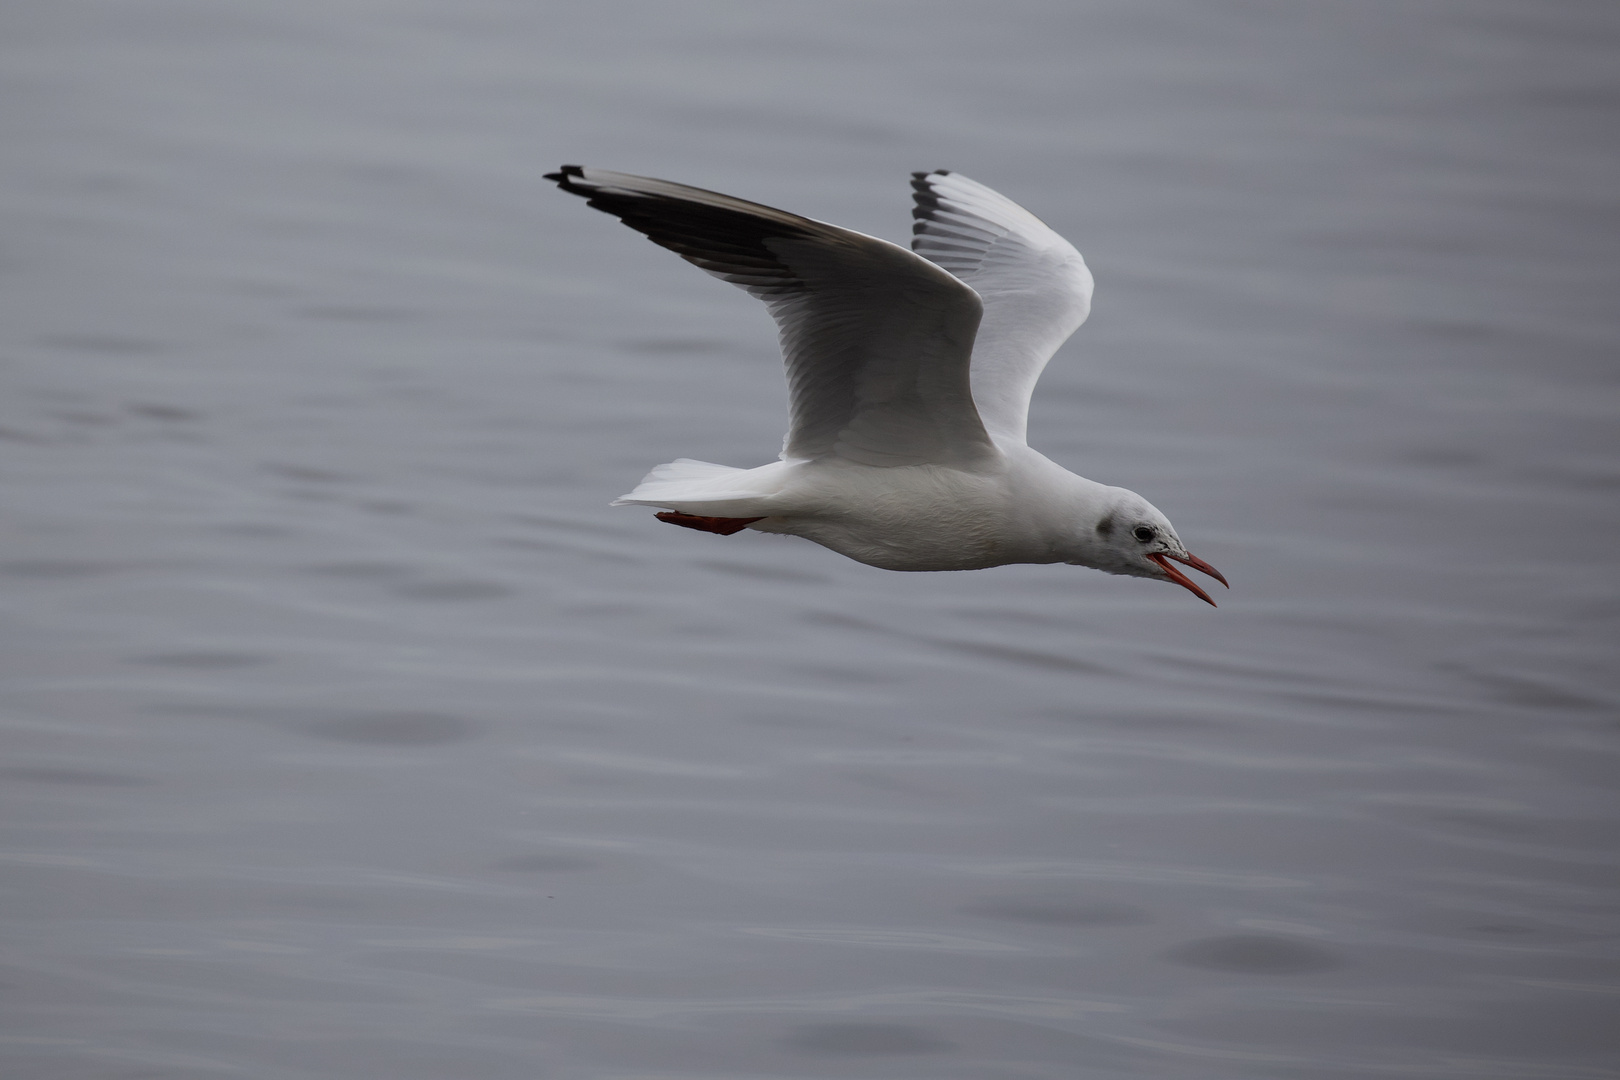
x: 1035, y: 287
x: 876, y: 340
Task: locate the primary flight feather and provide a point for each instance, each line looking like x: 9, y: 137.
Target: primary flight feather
x: 910, y: 374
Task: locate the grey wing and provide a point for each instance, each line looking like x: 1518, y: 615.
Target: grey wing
x: 1035, y: 287
x: 877, y: 340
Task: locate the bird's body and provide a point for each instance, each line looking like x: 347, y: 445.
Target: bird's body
x: 910, y: 374
x: 1017, y: 507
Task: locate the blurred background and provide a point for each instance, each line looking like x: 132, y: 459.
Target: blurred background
x: 346, y: 732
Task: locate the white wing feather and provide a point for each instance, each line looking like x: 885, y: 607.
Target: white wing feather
x: 1035, y: 287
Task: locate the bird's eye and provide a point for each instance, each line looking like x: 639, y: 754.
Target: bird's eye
x: 1144, y: 533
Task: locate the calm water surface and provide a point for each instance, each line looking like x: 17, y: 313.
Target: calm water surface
x: 346, y: 732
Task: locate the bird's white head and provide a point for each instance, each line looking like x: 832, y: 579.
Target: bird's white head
x: 1130, y: 536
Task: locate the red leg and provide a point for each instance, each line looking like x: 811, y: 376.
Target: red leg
x: 723, y: 526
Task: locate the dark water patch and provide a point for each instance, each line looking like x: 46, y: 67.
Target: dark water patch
x: 394, y: 729
x: 1058, y: 913
x: 1504, y: 923
x: 1597, y: 99
x: 11, y: 434
x: 203, y: 660
x: 1582, y: 477
x: 306, y: 473
x: 1255, y: 954
x: 544, y: 864
x: 449, y: 592
x: 674, y: 346
x: 82, y: 418
x: 1351, y: 703
x: 54, y: 774
x: 1478, y: 823
x: 104, y: 344
x: 1511, y: 688
x: 837, y: 620
x: 1022, y: 657
x: 167, y: 414
x: 1455, y: 330
x: 256, y: 530
x: 1438, y: 457
x: 865, y: 1038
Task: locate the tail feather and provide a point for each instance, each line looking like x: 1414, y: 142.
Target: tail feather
x: 702, y: 488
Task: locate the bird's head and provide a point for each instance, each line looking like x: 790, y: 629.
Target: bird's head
x: 1132, y: 537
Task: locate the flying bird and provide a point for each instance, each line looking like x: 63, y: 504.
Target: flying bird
x: 910, y: 374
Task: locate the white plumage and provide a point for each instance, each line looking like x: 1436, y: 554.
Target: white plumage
x: 910, y: 374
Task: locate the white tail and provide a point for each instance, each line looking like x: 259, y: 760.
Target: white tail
x: 701, y: 487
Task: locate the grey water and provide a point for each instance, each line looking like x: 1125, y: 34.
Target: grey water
x: 345, y: 731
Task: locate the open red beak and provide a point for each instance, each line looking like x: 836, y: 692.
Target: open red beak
x: 1163, y: 559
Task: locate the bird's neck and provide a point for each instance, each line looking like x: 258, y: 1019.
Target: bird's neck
x: 1064, y: 509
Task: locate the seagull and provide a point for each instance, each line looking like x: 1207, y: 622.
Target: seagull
x: 910, y: 374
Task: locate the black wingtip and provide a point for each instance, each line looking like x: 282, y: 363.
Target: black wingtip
x: 562, y: 176
x: 924, y: 200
